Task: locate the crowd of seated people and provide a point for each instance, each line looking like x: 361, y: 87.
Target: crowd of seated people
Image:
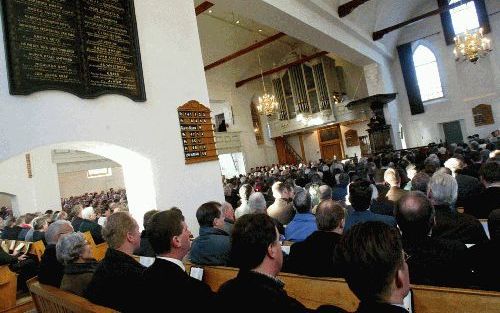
x: 365, y: 221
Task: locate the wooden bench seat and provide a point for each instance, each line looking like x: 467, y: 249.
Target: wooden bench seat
x: 313, y: 292
x: 49, y: 299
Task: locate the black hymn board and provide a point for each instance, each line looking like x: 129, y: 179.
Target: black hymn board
x: 197, y: 133
x: 86, y: 47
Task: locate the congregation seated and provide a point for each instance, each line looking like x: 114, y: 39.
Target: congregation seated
x: 381, y: 205
x: 89, y: 224
x: 145, y: 249
x: 212, y: 245
x: 51, y: 271
x: 315, y: 255
x: 229, y: 217
x: 468, y: 186
x: 303, y: 223
x: 256, y: 251
x: 488, y: 200
x: 433, y: 261
x: 484, y: 257
x: 420, y: 181
x: 442, y: 191
x: 11, y: 228
x: 282, y: 208
x: 375, y: 267
x: 118, y: 280
x: 393, y: 179
x: 339, y: 192
x: 37, y: 232
x: 245, y: 192
x: 76, y: 216
x: 360, y: 197
x: 166, y: 279
x: 25, y: 226
x: 74, y: 252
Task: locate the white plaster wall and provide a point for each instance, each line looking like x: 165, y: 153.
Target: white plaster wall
x: 77, y: 183
x: 39, y: 193
x: 465, y: 85
x: 173, y: 74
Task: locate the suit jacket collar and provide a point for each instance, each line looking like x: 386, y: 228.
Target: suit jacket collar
x: 379, y: 307
x: 260, y: 278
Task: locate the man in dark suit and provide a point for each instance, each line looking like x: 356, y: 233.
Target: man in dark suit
x: 360, y: 196
x: 256, y: 250
x: 51, y: 271
x: 484, y: 257
x: 375, y: 267
x: 433, y: 261
x: 451, y: 225
x: 166, y: 280
x: 392, y: 178
x: 481, y: 205
x: 118, y: 280
x: 320, y: 244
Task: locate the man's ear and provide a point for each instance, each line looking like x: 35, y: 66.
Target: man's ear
x: 175, y: 243
x: 271, y: 251
x: 399, y: 278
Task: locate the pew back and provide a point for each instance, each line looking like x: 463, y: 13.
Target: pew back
x: 8, y: 287
x: 313, y: 292
x: 50, y: 299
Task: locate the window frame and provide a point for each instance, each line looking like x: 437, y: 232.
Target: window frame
x: 446, y: 22
x: 438, y: 66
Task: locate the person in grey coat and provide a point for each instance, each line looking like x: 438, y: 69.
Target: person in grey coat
x: 213, y: 244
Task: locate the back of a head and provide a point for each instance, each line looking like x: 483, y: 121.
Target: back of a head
x: 453, y: 164
x: 147, y: 217
x: 411, y: 171
x: 420, y: 181
x: 57, y: 229
x: 442, y: 189
x: 329, y: 215
x: 257, y: 203
x: 343, y: 179
x: 162, y: 228
x: 69, y: 247
x: 116, y: 228
x: 245, y: 192
x: 378, y: 176
x: 490, y: 172
x: 302, y: 202
x: 391, y: 176
x: 370, y: 254
x: 207, y: 212
x: 494, y: 224
x: 39, y: 222
x: 325, y: 192
x: 252, y: 234
x: 87, y: 213
x: 414, y: 214
x: 29, y: 218
x: 360, y: 195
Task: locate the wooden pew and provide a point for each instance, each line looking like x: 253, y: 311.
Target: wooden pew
x: 50, y: 299
x: 313, y: 292
x: 8, y: 288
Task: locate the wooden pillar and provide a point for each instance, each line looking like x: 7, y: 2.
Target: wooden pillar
x: 302, y: 151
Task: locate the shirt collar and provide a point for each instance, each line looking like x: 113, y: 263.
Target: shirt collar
x: 175, y: 261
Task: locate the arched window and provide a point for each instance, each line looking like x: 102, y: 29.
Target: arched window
x: 427, y: 72
x: 464, y: 17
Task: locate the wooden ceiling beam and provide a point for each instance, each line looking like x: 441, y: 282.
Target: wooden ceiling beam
x: 346, y: 8
x: 381, y: 33
x: 203, y: 7
x: 245, y: 50
x: 280, y: 68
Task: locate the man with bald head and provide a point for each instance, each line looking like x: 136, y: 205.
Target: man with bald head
x: 432, y: 261
x: 51, y: 271
x: 320, y: 244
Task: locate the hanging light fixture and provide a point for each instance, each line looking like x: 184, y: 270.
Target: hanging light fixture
x: 470, y: 46
x: 267, y: 103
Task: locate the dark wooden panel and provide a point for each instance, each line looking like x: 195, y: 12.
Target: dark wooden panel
x: 87, y: 48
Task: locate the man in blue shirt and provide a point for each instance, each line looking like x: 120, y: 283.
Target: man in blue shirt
x: 360, y: 196
x: 304, y: 222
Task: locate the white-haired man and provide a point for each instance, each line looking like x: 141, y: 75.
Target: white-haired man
x: 89, y: 224
x: 442, y: 191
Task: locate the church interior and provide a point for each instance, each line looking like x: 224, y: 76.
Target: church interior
x: 246, y: 107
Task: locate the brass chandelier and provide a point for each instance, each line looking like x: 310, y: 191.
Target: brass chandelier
x: 267, y: 103
x: 470, y: 46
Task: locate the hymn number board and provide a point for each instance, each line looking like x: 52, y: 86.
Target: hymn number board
x: 197, y: 133
x: 85, y: 47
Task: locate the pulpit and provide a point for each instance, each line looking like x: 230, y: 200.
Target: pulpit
x: 379, y: 131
